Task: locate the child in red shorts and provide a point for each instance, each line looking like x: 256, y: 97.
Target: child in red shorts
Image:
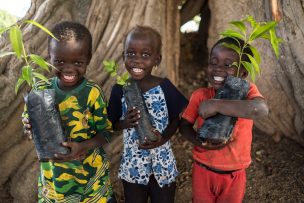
x: 218, y: 173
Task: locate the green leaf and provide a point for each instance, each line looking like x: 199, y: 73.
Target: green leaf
x: 16, y: 40
x: 51, y: 65
x: 105, y: 63
x: 18, y: 84
x: 125, y: 76
x: 6, y: 53
x: 274, y: 42
x: 109, y: 66
x: 249, y: 67
x: 2, y: 30
x: 252, y: 22
x: 240, y: 25
x: 39, y: 61
x: 256, y: 54
x: 41, y: 27
x: 266, y: 36
x: 112, y: 63
x: 27, y: 74
x: 113, y: 74
x: 232, y: 33
x: 254, y: 63
x: 120, y: 81
x: 40, y: 76
x: 262, y: 30
x: 234, y: 47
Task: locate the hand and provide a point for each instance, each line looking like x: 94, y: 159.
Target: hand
x: 215, y: 146
x: 131, y: 118
x: 149, y: 144
x: 78, y: 152
x: 207, y: 108
x: 27, y: 128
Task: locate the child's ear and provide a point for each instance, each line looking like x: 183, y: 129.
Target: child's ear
x: 158, y: 59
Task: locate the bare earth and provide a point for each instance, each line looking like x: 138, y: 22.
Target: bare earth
x: 275, y: 175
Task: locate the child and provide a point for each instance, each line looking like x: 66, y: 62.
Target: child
x: 218, y: 173
x: 83, y: 174
x: 150, y: 170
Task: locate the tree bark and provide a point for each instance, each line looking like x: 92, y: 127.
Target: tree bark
x: 281, y: 80
x: 108, y: 21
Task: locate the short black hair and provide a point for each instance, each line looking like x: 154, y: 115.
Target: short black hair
x: 150, y: 32
x: 237, y: 42
x: 68, y: 30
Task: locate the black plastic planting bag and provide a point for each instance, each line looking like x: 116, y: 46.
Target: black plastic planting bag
x: 134, y: 98
x: 218, y: 128
x: 46, y: 124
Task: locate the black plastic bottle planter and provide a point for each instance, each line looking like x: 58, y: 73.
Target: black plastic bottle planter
x: 218, y: 128
x: 46, y: 124
x: 134, y: 98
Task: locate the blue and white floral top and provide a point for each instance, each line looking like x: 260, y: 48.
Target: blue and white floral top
x: 137, y: 165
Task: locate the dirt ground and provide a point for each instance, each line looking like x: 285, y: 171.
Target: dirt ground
x: 275, y: 175
x: 276, y: 172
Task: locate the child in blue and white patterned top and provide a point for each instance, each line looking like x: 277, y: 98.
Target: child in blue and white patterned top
x: 147, y: 171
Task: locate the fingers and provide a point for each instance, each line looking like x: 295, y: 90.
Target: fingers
x: 69, y: 157
x: 27, y: 128
x: 25, y: 121
x: 28, y: 133
x: 132, y: 117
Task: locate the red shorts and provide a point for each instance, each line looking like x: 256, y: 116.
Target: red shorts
x: 209, y: 186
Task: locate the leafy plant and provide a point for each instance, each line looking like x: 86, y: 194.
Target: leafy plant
x: 6, y: 19
x: 29, y: 73
x: 111, y: 67
x: 250, y: 30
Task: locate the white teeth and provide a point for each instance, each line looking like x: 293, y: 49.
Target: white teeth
x: 69, y: 77
x: 137, y: 70
x: 218, y: 79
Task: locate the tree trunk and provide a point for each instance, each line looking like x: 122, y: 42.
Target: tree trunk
x: 281, y: 81
x: 108, y: 21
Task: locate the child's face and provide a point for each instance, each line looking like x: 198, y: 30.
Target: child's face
x: 71, y: 59
x: 140, y: 56
x: 220, y: 66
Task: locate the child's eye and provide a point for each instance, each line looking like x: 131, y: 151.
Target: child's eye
x: 130, y: 54
x: 79, y: 63
x: 212, y: 63
x: 229, y: 66
x: 146, y: 55
x: 58, y: 62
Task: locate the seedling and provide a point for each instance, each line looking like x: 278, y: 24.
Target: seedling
x: 134, y: 98
x: 41, y: 105
x: 250, y: 30
x: 111, y: 67
x: 29, y: 73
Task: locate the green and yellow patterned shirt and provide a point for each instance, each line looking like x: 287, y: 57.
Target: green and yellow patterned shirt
x: 83, y: 113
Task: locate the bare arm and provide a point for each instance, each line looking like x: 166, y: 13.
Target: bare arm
x: 252, y: 109
x: 186, y: 129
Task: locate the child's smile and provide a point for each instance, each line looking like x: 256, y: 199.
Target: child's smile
x: 71, y: 59
x: 140, y: 56
x: 220, y: 65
